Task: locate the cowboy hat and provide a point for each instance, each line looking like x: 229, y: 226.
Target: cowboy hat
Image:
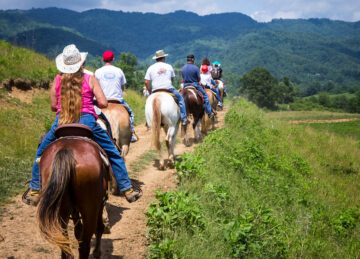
x: 159, y: 54
x: 70, y: 60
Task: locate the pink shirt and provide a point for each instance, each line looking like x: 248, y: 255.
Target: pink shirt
x: 87, y: 96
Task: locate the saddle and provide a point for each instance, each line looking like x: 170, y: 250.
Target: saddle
x: 199, y: 94
x: 168, y: 92
x: 82, y: 132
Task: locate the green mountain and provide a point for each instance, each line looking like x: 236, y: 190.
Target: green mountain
x: 307, y: 51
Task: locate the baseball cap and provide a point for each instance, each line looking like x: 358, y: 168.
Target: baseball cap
x: 108, y: 55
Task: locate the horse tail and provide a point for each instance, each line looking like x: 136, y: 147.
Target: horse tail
x: 48, y: 213
x: 156, y: 123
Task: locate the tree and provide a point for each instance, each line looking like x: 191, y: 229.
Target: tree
x: 286, y: 91
x: 127, y: 62
x: 260, y: 87
x: 324, y: 99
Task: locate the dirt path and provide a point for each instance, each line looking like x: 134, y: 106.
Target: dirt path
x: 20, y: 238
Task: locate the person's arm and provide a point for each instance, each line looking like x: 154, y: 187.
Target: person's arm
x: 147, y: 84
x: 123, y: 87
x: 53, y: 99
x: 101, y: 101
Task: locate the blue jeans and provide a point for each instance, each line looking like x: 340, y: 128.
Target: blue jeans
x: 132, y: 118
x: 100, y: 137
x: 215, y: 90
x: 181, y: 102
x: 206, y: 99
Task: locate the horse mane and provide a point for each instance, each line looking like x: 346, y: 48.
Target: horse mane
x: 156, y: 123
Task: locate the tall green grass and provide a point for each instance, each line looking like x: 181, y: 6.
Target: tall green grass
x: 21, y: 126
x: 346, y: 129
x: 18, y: 62
x: 261, y: 188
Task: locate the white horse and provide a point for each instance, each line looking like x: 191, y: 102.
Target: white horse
x: 162, y: 111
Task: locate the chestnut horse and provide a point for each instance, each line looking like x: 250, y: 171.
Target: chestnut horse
x: 74, y: 179
x: 195, y: 107
x: 206, y: 122
x: 161, y: 111
x: 119, y: 120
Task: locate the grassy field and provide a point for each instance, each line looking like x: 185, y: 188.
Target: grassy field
x: 310, y: 115
x: 18, y: 62
x: 346, y: 129
x: 21, y: 125
x: 262, y: 188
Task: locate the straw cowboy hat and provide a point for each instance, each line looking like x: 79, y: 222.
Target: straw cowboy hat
x: 159, y: 54
x: 70, y: 60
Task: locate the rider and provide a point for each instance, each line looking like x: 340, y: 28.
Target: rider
x: 191, y: 76
x: 162, y: 75
x: 217, y: 74
x: 112, y: 81
x: 72, y: 94
x: 206, y: 79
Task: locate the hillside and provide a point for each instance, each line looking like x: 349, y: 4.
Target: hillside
x: 313, y: 50
x: 22, y: 63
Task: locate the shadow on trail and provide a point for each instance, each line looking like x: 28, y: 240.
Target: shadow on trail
x: 107, y: 248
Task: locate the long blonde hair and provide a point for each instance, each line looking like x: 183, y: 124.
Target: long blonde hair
x: 71, y: 97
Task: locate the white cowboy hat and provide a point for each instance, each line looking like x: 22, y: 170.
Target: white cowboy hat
x: 159, y: 54
x: 70, y: 60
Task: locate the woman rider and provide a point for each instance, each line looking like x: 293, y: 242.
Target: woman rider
x: 72, y: 95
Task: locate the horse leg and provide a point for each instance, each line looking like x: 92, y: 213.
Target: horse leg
x: 77, y: 224
x: 115, y: 188
x: 89, y: 227
x: 99, y: 232
x: 197, y: 131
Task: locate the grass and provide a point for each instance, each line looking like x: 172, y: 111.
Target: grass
x: 145, y: 159
x: 346, y: 129
x: 261, y: 188
x: 309, y: 115
x: 18, y: 62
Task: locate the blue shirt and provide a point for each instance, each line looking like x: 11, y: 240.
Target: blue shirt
x: 190, y: 73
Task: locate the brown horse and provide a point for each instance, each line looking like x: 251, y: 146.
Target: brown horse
x: 119, y: 119
x: 206, y: 122
x: 195, y: 107
x: 74, y: 180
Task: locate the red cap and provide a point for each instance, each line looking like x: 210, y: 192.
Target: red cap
x: 108, y: 55
x: 204, y: 68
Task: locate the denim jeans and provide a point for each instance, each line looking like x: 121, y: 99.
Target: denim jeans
x: 132, y: 118
x: 100, y: 137
x: 181, y: 102
x: 206, y: 99
x: 215, y: 90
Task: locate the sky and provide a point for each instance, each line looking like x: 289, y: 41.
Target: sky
x: 259, y: 10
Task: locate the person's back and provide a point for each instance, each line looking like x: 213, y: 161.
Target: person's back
x: 190, y: 73
x: 160, y: 74
x: 111, y: 79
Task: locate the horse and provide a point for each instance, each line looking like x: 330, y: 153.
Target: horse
x: 119, y: 120
x: 221, y: 89
x: 74, y: 180
x: 206, y: 121
x: 195, y: 107
x: 161, y: 110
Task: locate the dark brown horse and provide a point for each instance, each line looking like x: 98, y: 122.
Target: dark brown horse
x: 195, y: 107
x: 74, y: 179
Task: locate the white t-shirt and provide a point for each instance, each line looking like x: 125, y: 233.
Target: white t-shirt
x: 160, y: 75
x: 111, y: 79
x: 205, y: 79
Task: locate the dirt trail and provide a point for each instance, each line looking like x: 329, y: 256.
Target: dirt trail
x: 20, y: 238
x: 323, y: 121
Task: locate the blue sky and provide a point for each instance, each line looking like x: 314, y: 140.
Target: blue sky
x: 260, y: 10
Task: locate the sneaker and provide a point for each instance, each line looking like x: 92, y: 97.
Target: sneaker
x: 132, y: 195
x: 134, y: 138
x: 185, y: 122
x: 220, y: 104
x: 31, y: 197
